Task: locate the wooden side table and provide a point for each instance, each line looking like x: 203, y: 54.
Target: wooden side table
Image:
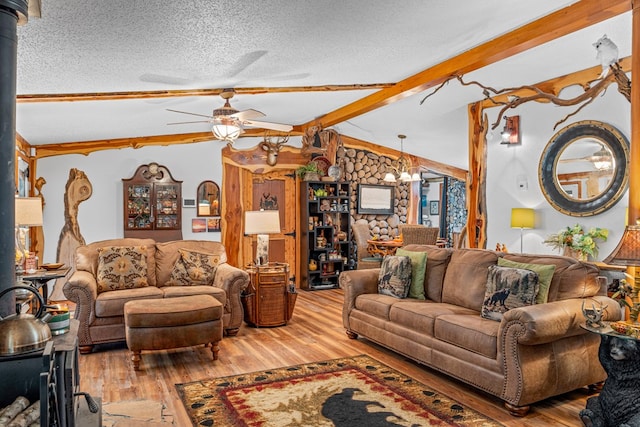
x: 268, y: 300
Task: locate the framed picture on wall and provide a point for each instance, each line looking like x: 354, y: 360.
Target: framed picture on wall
x: 375, y: 199
x: 198, y: 225
x: 213, y: 224
x: 434, y: 207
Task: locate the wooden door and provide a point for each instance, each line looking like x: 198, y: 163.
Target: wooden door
x: 274, y: 190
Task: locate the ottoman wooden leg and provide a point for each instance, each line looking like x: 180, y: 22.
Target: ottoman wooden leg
x: 215, y: 349
x: 135, y: 358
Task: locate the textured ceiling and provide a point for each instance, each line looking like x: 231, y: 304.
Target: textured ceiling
x: 90, y: 46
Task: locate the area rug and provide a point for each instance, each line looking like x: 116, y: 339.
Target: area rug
x: 354, y: 391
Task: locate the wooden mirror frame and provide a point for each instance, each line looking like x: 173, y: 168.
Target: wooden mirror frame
x: 213, y: 197
x: 606, y: 134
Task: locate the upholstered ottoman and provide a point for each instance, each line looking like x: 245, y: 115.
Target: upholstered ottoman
x: 159, y: 324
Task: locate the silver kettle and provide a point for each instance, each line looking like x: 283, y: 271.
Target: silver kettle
x: 23, y: 333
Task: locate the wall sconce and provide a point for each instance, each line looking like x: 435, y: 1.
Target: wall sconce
x: 511, y: 132
x: 522, y: 218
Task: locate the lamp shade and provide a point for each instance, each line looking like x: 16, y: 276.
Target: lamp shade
x: 628, y: 250
x: 28, y: 211
x: 523, y: 218
x: 262, y: 222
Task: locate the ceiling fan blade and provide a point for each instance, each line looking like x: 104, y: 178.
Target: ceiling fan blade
x: 193, y: 114
x: 268, y: 125
x: 247, y: 114
x: 184, y: 123
x: 244, y: 61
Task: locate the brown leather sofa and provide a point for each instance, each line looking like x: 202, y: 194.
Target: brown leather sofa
x: 533, y: 353
x: 101, y: 315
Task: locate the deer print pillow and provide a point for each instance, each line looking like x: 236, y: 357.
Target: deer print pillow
x: 508, y: 288
x: 395, y: 276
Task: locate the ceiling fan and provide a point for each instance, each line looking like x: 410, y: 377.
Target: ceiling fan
x: 228, y: 123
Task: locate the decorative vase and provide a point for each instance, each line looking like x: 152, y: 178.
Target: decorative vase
x: 580, y: 256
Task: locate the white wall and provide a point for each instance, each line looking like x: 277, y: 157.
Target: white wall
x: 507, y: 163
x: 101, y: 216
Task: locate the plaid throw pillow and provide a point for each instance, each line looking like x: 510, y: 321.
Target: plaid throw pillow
x: 194, y: 268
x: 121, y: 267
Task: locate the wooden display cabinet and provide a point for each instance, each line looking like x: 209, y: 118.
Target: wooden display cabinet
x: 269, y: 299
x: 325, y: 241
x: 152, y: 204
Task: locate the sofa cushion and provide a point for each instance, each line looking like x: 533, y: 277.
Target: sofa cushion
x: 421, y: 315
x: 437, y: 261
x: 508, y: 288
x: 418, y: 269
x: 465, y: 281
x: 87, y: 256
x: 109, y: 304
x: 167, y: 254
x: 395, y: 276
x: 571, y: 278
x: 121, y: 267
x: 193, y: 268
x: 545, y: 275
x: 470, y: 332
x: 375, y: 304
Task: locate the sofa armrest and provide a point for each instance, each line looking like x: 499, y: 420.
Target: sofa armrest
x: 544, y: 323
x: 354, y: 283
x: 233, y: 280
x: 82, y: 289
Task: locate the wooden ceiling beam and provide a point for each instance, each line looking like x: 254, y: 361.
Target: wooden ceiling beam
x: 88, y: 147
x: 110, y: 96
x: 550, y: 27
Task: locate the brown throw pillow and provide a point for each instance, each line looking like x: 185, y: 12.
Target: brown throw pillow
x: 194, y: 268
x: 121, y: 267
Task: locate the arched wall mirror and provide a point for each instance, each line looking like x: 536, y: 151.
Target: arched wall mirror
x: 208, y: 199
x: 584, y: 169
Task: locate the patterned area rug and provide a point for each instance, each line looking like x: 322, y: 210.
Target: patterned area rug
x: 354, y: 391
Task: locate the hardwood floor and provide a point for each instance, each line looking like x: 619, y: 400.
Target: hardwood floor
x: 314, y: 333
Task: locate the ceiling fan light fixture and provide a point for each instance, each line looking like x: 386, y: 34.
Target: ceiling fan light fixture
x: 226, y: 128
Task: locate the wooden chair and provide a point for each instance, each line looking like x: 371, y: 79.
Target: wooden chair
x: 361, y: 234
x: 418, y: 234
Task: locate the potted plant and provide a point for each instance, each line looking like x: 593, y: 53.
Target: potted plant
x: 577, y: 242
x: 310, y: 172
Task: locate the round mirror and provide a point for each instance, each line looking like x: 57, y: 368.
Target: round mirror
x: 208, y: 199
x: 584, y: 168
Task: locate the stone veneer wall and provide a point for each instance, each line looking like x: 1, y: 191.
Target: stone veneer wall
x: 365, y: 167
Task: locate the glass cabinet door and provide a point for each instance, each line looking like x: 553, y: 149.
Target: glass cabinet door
x: 139, y: 207
x: 166, y: 205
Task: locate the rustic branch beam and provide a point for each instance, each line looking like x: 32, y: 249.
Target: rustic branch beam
x: 534, y: 93
x: 565, y: 21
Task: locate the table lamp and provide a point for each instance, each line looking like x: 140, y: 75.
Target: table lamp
x: 28, y: 213
x: 262, y: 223
x: 522, y: 218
